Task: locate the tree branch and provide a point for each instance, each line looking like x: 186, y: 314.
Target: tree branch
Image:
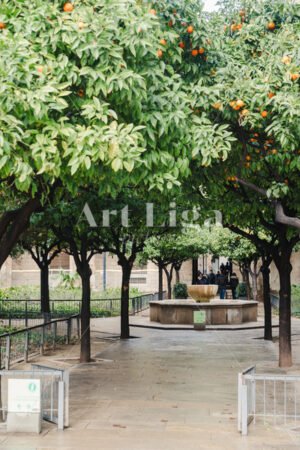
x: 252, y: 186
x: 281, y: 217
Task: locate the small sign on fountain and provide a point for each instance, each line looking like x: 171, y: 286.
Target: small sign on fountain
x: 199, y: 320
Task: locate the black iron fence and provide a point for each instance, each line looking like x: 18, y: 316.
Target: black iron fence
x: 16, y: 313
x: 20, y: 345
x: 295, y: 304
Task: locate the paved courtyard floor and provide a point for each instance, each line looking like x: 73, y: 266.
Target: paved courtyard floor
x: 163, y: 390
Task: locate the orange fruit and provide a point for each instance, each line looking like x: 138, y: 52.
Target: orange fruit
x: 274, y: 151
x: 152, y: 11
x: 201, y: 51
x: 163, y: 42
x: 245, y: 112
x: 181, y: 44
x: 80, y: 93
x: 264, y: 114
x: 271, y: 94
x: 294, y: 76
x: 247, y: 165
x: 239, y: 26
x: 217, y: 105
x: 286, y: 59
x: 242, y: 13
x: 232, y: 104
x: 233, y: 27
x: 68, y: 7
x: 271, y: 26
x: 159, y: 53
x: 40, y: 69
x: 248, y: 158
x: 194, y: 52
x: 190, y: 29
x: 2, y: 25
x: 240, y: 104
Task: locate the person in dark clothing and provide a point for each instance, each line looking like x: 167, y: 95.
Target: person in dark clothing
x: 234, y: 282
x: 222, y: 282
x: 211, y: 278
x: 199, y: 276
x: 203, y: 280
x: 224, y: 271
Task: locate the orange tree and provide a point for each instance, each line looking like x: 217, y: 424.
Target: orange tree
x: 91, y: 225
x: 254, y: 89
x: 91, y: 92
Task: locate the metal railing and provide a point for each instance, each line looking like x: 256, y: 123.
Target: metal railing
x: 295, y: 306
x: 267, y: 396
x: 16, y: 313
x: 22, y: 344
x: 141, y: 303
x: 274, y: 300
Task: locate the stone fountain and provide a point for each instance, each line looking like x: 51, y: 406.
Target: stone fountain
x: 217, y: 312
x: 203, y: 293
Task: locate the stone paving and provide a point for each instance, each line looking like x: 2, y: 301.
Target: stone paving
x: 163, y: 390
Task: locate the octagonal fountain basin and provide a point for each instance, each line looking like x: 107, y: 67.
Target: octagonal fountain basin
x: 217, y: 312
x: 203, y: 293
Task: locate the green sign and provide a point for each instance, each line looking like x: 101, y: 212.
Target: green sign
x: 32, y: 387
x: 199, y: 317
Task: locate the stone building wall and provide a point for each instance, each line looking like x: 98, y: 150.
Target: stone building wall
x: 24, y: 271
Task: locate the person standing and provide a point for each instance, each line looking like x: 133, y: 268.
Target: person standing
x: 222, y: 282
x: 199, y: 277
x: 203, y: 280
x: 234, y: 282
x: 211, y: 277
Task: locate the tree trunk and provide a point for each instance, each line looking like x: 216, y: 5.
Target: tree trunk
x: 160, y: 282
x: 169, y: 281
x: 177, y: 267
x: 44, y: 288
x: 267, y: 301
x: 247, y: 281
x: 195, y: 271
x: 284, y: 267
x: 85, y: 343
x: 126, y: 272
x: 254, y: 275
x: 13, y: 224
